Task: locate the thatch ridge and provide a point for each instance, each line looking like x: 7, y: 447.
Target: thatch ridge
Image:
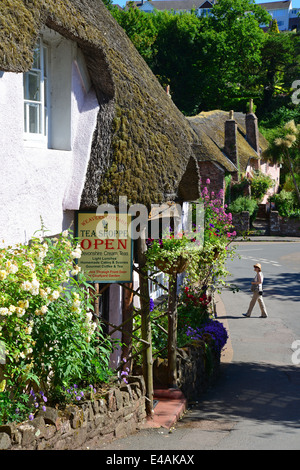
x: 209, y: 126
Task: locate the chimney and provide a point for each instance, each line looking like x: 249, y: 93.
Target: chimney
x: 252, y: 129
x: 230, y: 147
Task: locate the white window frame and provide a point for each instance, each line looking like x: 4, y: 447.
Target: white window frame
x: 155, y: 291
x: 39, y: 138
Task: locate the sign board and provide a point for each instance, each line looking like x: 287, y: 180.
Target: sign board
x: 106, y: 246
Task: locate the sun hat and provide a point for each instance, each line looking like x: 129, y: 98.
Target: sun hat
x: 257, y: 265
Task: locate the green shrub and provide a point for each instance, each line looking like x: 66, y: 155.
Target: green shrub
x: 286, y: 204
x: 260, y: 184
x: 47, y: 332
x: 243, y: 203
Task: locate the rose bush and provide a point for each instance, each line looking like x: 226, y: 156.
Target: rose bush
x: 47, y: 331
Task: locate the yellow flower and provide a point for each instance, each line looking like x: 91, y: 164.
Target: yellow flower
x: 2, y: 385
x: 3, y: 275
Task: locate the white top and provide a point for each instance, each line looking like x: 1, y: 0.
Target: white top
x: 262, y: 280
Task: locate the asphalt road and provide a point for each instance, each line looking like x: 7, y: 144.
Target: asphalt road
x: 255, y: 405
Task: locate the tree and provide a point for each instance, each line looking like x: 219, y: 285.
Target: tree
x: 175, y: 61
x: 278, y: 61
x: 285, y: 148
x: 140, y: 28
x: 232, y: 40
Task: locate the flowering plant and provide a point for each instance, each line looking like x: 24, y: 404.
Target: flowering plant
x: 218, y: 235
x: 46, y: 324
x: 172, y: 252
x: 214, y: 329
x: 193, y: 309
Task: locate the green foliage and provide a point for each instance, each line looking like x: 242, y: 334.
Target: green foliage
x: 46, y: 324
x: 218, y: 236
x: 278, y: 66
x: 260, y: 183
x: 278, y: 117
x: 243, y: 203
x: 207, y: 61
x: 219, y: 61
x: 140, y: 28
x: 286, y: 204
x: 192, y: 310
x: 284, y: 147
x: 175, y: 250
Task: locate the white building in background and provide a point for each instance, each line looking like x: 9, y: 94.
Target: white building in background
x: 283, y: 12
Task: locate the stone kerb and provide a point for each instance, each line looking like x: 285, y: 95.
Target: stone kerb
x: 119, y: 412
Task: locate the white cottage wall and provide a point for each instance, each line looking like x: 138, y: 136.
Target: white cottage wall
x: 42, y: 182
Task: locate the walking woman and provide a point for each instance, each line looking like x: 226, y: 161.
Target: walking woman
x: 257, y: 289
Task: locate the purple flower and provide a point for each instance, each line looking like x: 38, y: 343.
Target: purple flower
x: 31, y: 417
x: 151, y: 306
x: 216, y: 330
x: 43, y: 408
x: 45, y: 399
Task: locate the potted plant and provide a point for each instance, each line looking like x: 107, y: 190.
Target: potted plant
x: 172, y: 254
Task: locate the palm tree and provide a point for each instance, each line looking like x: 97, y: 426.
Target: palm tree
x: 285, y: 148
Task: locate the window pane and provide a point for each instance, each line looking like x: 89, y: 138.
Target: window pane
x: 45, y: 92
x: 35, y: 93
x: 25, y: 118
x: 45, y: 61
x: 34, y: 113
x: 37, y: 58
x: 45, y: 122
x: 34, y: 80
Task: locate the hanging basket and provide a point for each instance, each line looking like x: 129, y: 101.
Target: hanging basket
x: 177, y: 266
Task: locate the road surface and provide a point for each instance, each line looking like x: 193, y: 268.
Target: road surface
x: 256, y: 401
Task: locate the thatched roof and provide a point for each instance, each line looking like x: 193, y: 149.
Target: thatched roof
x: 142, y: 144
x: 210, y: 127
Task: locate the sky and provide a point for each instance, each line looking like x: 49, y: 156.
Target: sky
x: 295, y: 3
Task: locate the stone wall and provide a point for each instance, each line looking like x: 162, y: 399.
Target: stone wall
x: 196, y: 370
x: 241, y: 222
x: 120, y: 412
x: 284, y: 226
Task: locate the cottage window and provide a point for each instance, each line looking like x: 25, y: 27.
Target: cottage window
x: 36, y: 99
